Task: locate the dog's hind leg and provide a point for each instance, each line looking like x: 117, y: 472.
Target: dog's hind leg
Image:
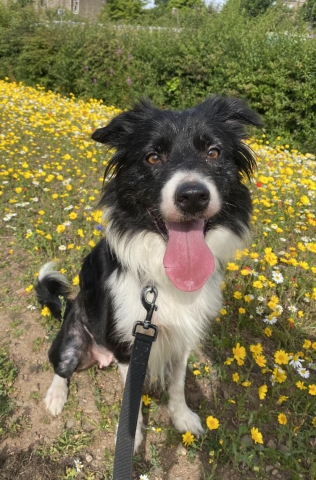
x: 182, y: 417
x: 70, y: 351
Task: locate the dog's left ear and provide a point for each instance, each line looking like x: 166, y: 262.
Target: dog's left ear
x: 232, y: 111
x: 235, y: 114
x: 238, y: 112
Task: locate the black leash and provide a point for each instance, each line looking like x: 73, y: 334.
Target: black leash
x: 123, y: 461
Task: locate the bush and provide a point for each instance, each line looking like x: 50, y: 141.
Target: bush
x: 269, y: 60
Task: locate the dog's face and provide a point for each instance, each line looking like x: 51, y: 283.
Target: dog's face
x: 179, y: 171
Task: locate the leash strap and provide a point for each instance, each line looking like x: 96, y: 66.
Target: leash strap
x: 123, y: 462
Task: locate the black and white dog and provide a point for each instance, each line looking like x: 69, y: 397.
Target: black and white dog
x: 176, y: 210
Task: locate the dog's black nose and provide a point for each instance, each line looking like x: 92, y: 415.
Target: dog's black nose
x: 192, y: 197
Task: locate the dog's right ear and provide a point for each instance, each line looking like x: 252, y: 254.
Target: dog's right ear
x: 118, y: 132
x: 115, y: 132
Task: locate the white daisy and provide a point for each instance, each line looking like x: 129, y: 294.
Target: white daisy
x: 260, y: 310
x: 78, y: 465
x: 278, y: 309
x: 277, y: 276
x: 271, y: 320
x: 292, y: 309
x: 296, y: 362
x: 303, y: 372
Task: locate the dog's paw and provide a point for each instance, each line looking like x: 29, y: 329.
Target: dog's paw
x: 56, y: 396
x: 185, y: 420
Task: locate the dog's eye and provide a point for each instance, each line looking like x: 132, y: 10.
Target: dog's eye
x: 212, y: 153
x: 153, y: 159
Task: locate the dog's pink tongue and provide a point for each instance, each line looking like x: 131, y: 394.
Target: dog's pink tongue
x: 188, y: 261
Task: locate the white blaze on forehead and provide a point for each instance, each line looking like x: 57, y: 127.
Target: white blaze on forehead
x: 168, y: 206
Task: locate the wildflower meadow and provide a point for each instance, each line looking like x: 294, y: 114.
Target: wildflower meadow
x: 253, y: 381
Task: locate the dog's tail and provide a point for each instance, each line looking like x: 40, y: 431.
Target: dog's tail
x: 53, y: 290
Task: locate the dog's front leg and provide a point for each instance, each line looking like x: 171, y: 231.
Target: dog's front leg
x: 123, y: 368
x: 56, y: 395
x: 182, y: 417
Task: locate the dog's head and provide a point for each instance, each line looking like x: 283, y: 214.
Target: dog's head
x: 178, y: 173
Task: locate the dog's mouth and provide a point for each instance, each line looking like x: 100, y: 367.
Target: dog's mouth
x: 188, y: 260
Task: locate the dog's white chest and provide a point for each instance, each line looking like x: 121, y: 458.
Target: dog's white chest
x: 181, y: 317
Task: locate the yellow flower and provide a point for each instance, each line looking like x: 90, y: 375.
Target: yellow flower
x: 196, y: 372
x: 80, y: 232
x: 229, y: 361
x: 281, y: 357
x: 307, y: 344
x: 241, y: 310
x: 60, y: 228
x: 45, y: 312
x: 235, y: 377
x: 267, y: 331
x: 146, y: 400
x: 270, y: 257
x: 248, y: 298
x: 212, y: 423
x: 72, y: 215
x: 75, y: 280
x: 256, y: 349
x: 239, y: 352
x: 256, y: 435
x: 304, y: 200
x: 312, y: 389
x: 261, y: 360
x: 279, y: 375
x: 282, y: 419
x: 232, y: 266
x: 245, y: 272
x: 257, y: 284
x: 187, y: 438
x: 246, y: 383
x: 237, y: 295
x: 262, y: 391
x: 282, y: 399
x: 29, y: 288
x: 301, y: 385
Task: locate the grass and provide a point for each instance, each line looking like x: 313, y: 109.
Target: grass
x: 8, y: 373
x: 262, y: 345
